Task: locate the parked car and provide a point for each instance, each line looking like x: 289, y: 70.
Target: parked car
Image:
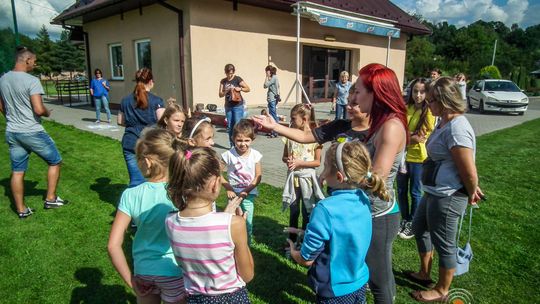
x: 497, y: 95
x: 80, y: 78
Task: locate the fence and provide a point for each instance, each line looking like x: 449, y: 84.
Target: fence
x: 67, y: 90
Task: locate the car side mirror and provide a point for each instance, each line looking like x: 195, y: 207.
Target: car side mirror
x: 477, y: 89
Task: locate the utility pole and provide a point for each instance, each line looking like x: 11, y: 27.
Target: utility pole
x: 15, y: 23
x: 494, y: 50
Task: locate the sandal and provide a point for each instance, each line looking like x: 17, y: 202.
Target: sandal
x: 417, y: 295
x: 409, y: 274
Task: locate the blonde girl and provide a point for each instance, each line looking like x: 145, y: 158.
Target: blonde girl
x: 301, y: 190
x: 211, y: 247
x: 339, y: 232
x: 173, y: 119
x: 198, y: 132
x: 156, y: 276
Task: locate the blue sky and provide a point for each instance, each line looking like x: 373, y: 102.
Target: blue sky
x: 31, y: 14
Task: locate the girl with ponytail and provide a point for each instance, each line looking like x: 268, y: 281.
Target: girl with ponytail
x: 138, y: 110
x: 211, y: 247
x: 339, y: 232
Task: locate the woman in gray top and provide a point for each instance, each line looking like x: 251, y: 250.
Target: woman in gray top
x: 450, y: 183
x: 271, y: 83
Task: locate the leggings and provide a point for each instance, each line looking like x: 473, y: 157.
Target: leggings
x: 437, y: 226
x: 379, y: 258
x: 295, y: 213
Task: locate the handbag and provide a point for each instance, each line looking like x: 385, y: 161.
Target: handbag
x: 236, y: 97
x: 278, y: 98
x: 464, y: 254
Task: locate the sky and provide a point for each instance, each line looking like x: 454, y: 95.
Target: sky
x: 32, y: 14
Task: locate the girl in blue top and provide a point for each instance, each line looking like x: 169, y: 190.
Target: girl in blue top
x: 157, y: 276
x: 338, y: 235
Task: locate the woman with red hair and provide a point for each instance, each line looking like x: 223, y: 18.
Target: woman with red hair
x: 377, y: 103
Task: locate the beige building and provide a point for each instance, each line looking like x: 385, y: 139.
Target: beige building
x: 187, y: 43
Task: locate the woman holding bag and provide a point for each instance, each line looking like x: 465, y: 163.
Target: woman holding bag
x: 231, y: 87
x: 450, y: 183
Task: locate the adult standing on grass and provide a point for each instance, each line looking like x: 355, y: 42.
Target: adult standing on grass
x: 21, y: 103
x: 138, y: 110
x: 99, y: 89
x: 377, y: 97
x: 450, y: 182
x: 271, y: 83
x: 231, y: 88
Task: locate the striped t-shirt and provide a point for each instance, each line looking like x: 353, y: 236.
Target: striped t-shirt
x: 204, y: 248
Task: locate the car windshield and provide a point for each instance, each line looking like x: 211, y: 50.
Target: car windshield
x: 501, y: 86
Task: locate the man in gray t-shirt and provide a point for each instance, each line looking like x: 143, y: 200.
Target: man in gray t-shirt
x: 21, y: 104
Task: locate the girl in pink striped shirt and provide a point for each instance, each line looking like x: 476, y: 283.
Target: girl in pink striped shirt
x: 211, y: 247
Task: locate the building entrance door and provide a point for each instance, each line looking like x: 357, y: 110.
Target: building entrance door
x: 320, y: 71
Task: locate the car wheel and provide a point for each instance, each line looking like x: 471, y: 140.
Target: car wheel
x: 481, y: 107
x: 521, y: 113
x: 469, y: 103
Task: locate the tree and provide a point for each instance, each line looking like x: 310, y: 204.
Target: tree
x: 490, y: 72
x: 66, y: 56
x: 44, y: 50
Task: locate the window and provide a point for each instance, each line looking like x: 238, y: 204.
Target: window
x: 143, y: 54
x: 117, y: 66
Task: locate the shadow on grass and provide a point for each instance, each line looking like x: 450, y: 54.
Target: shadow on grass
x: 29, y: 190
x: 108, y: 192
x: 95, y: 292
x: 276, y: 279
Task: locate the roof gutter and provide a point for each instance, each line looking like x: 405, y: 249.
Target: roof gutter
x: 179, y: 12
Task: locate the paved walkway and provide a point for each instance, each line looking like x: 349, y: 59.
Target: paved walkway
x: 274, y: 171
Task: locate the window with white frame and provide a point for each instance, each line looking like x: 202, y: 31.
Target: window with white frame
x: 117, y: 66
x: 143, y: 54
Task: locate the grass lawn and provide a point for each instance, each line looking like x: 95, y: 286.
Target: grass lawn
x: 59, y: 256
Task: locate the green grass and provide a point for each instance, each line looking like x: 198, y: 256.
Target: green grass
x: 59, y: 256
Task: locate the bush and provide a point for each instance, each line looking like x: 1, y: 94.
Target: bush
x: 490, y: 72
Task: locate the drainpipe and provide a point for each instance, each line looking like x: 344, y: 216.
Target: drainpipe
x: 179, y: 12
x: 88, y: 64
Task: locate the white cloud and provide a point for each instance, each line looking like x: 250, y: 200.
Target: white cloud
x: 32, y: 14
x: 463, y: 12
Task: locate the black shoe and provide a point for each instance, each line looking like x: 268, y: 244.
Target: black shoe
x: 26, y: 213
x: 407, y: 232
x: 57, y: 203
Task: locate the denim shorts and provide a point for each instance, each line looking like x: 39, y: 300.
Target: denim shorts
x: 22, y: 144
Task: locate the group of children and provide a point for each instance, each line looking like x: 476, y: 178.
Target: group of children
x: 184, y: 250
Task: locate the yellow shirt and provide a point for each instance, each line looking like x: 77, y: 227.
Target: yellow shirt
x: 417, y: 153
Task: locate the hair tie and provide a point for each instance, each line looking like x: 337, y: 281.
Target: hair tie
x: 339, y: 154
x: 368, y: 175
x: 308, y: 105
x: 188, y: 154
x: 207, y: 119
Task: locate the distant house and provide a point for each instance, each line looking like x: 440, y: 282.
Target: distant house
x: 187, y: 43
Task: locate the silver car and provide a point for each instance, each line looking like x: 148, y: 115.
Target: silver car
x: 497, y: 95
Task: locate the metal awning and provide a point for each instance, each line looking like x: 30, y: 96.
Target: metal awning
x: 337, y: 18
x: 331, y: 17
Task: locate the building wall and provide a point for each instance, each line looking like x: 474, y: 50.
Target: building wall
x: 157, y: 24
x: 253, y: 37
x: 215, y: 35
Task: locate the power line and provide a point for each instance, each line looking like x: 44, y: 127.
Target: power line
x: 48, y: 8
